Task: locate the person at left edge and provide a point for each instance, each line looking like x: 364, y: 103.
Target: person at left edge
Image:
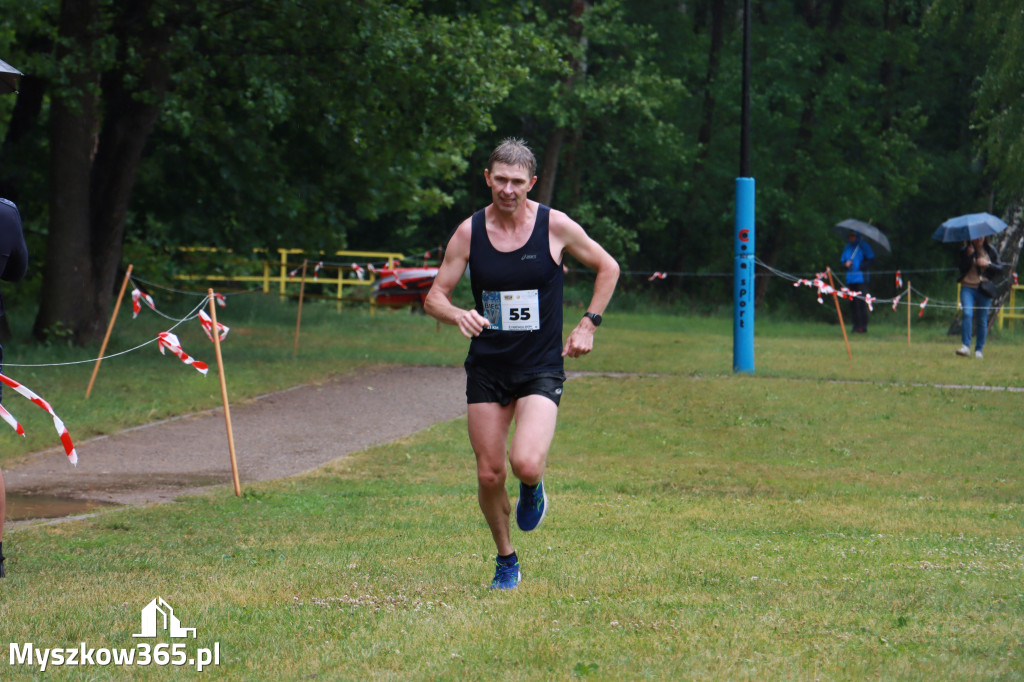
x: 13, y: 266
x: 856, y: 257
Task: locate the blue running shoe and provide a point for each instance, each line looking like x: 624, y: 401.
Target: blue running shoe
x: 531, y: 506
x: 506, y: 576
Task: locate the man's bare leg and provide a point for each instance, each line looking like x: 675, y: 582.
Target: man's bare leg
x: 535, y: 428
x: 488, y: 434
x: 535, y: 418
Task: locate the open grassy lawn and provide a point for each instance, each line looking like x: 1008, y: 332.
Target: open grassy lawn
x: 821, y: 519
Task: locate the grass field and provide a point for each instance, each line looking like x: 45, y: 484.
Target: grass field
x: 821, y: 519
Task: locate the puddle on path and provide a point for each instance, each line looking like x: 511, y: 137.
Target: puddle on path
x: 22, y: 507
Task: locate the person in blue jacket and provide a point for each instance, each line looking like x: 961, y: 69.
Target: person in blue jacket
x: 856, y: 257
x: 13, y: 266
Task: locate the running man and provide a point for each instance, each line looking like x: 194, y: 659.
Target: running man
x: 514, y: 371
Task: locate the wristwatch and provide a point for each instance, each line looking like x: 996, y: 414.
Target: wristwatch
x: 594, y: 317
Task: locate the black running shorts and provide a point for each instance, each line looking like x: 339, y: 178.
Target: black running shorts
x: 492, y: 385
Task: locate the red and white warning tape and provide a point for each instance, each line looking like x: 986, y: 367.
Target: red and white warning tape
x: 826, y: 289
x: 62, y: 431
x: 207, y: 322
x: 168, y: 341
x: 136, y: 306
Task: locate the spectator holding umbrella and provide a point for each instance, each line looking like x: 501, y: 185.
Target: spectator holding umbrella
x: 978, y: 263
x: 856, y: 258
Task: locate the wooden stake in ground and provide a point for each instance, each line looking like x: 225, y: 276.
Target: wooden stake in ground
x: 224, y: 393
x: 839, y: 312
x: 298, y: 318
x: 909, y: 290
x: 110, y: 328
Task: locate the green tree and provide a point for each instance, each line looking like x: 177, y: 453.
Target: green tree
x: 244, y: 120
x: 995, y: 34
x: 602, y: 124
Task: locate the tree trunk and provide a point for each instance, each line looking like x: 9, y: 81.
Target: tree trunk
x: 68, y: 276
x: 708, y: 106
x: 553, y: 148
x: 93, y: 168
x: 707, y: 117
x: 549, y: 171
x: 24, y: 119
x: 808, y: 121
x: 1008, y: 243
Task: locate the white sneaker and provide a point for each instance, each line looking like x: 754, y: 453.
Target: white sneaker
x: 964, y: 351
x: 978, y: 354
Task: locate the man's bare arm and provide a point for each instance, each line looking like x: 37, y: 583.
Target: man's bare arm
x: 438, y: 303
x: 574, y: 240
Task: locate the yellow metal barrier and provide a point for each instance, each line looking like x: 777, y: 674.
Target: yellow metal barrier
x: 1011, y: 304
x: 283, y: 266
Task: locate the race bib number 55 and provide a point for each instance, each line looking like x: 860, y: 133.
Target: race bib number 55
x: 512, y: 310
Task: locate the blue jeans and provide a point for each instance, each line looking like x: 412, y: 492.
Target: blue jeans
x: 971, y: 300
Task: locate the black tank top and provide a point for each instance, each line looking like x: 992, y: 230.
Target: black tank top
x: 502, y: 289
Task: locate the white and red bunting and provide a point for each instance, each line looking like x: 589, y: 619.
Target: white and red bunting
x: 62, y: 431
x: 207, y: 322
x: 923, y: 304
x: 657, y: 275
x: 168, y: 341
x: 145, y: 298
x: 826, y: 289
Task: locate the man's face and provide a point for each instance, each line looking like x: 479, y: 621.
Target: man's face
x: 509, y: 185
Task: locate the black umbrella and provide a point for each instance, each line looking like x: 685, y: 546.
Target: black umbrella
x: 869, y: 232
x: 8, y: 77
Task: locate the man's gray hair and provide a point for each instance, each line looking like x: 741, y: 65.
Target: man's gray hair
x: 514, y: 152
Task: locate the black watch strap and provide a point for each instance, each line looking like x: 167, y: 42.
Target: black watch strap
x: 594, y: 317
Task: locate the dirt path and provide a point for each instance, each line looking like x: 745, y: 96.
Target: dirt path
x: 276, y: 435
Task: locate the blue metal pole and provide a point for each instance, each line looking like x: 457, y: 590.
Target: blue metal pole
x: 743, y: 279
x: 743, y: 250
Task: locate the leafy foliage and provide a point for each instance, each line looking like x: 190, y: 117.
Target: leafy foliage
x: 331, y: 124
x: 335, y: 116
